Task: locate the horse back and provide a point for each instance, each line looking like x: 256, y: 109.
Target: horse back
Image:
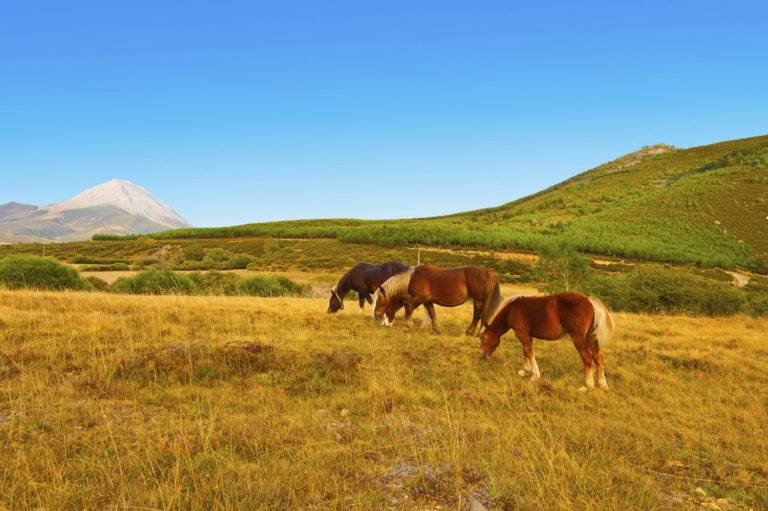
x: 551, y: 317
x: 372, y: 276
x: 450, y: 286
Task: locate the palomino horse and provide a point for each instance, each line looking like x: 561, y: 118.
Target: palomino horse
x: 584, y: 318
x: 448, y: 287
x: 365, y: 279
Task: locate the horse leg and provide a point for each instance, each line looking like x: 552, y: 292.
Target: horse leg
x: 597, y: 358
x: 409, y: 308
x: 530, y: 359
x: 580, y: 341
x: 431, y: 310
x: 427, y: 316
x: 361, y: 301
x: 478, y: 311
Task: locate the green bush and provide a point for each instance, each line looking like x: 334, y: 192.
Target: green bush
x: 20, y: 271
x: 655, y: 289
x: 155, y: 282
x: 97, y: 284
x: 217, y: 255
x: 215, y: 282
x: 240, y: 261
x: 106, y: 267
x: 95, y: 260
x: 268, y: 286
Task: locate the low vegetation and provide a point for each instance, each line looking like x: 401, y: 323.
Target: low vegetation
x: 24, y: 271
x: 705, y: 205
x: 169, y: 402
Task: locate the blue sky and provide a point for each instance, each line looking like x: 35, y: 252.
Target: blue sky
x: 237, y: 112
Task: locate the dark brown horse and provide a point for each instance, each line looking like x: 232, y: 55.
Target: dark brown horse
x: 365, y: 279
x: 584, y: 318
x: 448, y: 287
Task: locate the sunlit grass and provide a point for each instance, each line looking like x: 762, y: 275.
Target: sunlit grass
x: 246, y: 403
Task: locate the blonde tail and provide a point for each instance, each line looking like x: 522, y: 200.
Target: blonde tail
x: 602, y: 324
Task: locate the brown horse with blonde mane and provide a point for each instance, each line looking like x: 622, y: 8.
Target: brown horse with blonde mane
x: 584, y: 318
x: 447, y: 287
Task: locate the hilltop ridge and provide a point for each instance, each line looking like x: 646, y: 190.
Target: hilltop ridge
x: 706, y: 205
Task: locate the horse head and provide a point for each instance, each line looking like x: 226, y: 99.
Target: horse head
x: 489, y: 340
x: 335, y: 303
x: 380, y: 304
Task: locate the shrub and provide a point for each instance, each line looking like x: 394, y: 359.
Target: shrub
x: 215, y: 282
x: 106, y: 267
x: 240, y: 261
x: 155, y: 282
x: 657, y: 289
x: 97, y: 284
x: 268, y: 286
x: 217, y: 255
x: 563, y: 269
x: 95, y: 260
x: 19, y: 271
x: 194, y: 253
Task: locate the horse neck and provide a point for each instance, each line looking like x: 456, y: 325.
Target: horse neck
x: 344, y: 285
x: 499, y: 321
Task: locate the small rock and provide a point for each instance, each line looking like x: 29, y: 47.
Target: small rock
x: 722, y: 502
x: 700, y: 492
x: 676, y: 500
x: 712, y: 506
x: 476, y: 505
x: 344, y: 412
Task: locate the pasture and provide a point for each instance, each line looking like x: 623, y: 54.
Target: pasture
x: 168, y: 402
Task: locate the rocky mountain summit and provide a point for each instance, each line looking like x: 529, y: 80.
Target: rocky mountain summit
x: 114, y: 207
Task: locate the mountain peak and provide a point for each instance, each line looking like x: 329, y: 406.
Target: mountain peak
x: 127, y: 196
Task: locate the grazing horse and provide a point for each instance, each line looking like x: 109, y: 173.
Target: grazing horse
x: 584, y: 318
x: 365, y: 279
x: 448, y: 287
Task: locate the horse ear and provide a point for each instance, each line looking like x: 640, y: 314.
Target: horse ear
x: 383, y: 293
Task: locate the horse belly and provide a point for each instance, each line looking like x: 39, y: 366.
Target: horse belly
x: 547, y: 327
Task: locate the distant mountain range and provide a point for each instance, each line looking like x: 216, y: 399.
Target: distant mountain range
x: 114, y: 207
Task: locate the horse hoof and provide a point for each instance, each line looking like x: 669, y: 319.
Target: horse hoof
x: 534, y: 377
x: 603, y: 385
x: 521, y: 372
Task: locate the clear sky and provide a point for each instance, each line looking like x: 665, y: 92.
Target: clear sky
x: 237, y: 112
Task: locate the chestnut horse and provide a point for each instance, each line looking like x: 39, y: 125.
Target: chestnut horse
x: 584, y: 318
x: 365, y: 279
x: 448, y: 287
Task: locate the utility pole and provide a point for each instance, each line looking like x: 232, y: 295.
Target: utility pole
x: 418, y: 255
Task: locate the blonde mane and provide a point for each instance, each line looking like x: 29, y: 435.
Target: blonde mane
x: 395, y: 286
x: 503, y: 304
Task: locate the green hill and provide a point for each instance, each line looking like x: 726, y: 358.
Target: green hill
x: 706, y: 205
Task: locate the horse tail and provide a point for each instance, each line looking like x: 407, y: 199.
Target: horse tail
x: 493, y: 300
x: 602, y: 324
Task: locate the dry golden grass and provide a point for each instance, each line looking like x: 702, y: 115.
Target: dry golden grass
x: 111, y: 401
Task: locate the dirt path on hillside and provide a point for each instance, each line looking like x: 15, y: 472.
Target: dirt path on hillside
x: 739, y: 280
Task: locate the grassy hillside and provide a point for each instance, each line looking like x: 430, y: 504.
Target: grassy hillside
x: 707, y: 205
x: 245, y: 403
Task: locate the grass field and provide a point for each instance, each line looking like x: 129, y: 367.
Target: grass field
x: 115, y: 401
